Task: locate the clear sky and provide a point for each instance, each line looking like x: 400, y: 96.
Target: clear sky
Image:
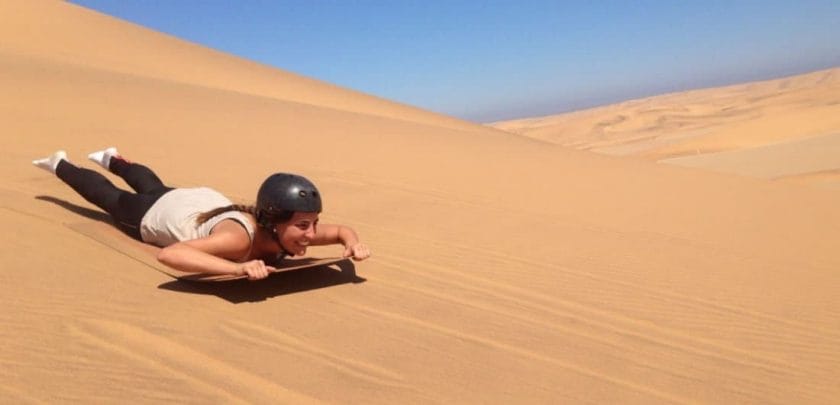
x: 493, y: 60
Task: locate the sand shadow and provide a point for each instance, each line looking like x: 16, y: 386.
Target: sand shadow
x: 283, y: 283
x: 83, y: 211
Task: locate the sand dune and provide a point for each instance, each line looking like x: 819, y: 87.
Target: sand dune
x: 705, y: 123
x: 53, y: 31
x: 505, y: 269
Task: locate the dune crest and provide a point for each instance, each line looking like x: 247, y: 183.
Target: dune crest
x: 67, y: 33
x: 504, y: 269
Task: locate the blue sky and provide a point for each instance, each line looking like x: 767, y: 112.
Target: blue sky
x: 493, y: 60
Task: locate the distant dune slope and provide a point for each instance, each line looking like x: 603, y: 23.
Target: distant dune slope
x: 504, y: 269
x: 703, y: 122
x: 66, y: 33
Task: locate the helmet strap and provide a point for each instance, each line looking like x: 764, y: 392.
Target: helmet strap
x: 280, y: 245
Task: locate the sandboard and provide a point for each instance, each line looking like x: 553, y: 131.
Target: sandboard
x: 283, y: 265
x: 144, y: 253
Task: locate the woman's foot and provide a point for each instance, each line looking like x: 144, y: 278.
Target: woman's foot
x: 103, y: 157
x: 49, y: 163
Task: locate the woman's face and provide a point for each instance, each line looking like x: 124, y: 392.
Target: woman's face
x: 295, y: 234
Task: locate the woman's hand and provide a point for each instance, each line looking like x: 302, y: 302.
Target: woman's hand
x: 255, y: 270
x: 330, y: 234
x: 357, y: 252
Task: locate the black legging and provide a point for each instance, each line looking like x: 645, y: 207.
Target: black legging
x: 125, y: 207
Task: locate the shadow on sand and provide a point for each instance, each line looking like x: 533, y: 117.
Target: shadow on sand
x: 282, y: 283
x: 83, y: 211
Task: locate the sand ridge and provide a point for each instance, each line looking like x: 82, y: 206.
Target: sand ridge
x: 504, y: 270
x: 67, y: 33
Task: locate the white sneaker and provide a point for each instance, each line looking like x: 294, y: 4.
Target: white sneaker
x: 103, y: 157
x: 49, y: 163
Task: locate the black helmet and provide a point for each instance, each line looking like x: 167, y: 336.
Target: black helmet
x: 282, y: 194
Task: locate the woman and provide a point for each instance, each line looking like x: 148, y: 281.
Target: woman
x: 199, y: 229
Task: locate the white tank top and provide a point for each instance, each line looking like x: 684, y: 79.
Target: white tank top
x: 172, y: 217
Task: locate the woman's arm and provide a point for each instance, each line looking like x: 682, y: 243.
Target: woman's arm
x: 328, y: 234
x: 214, y: 254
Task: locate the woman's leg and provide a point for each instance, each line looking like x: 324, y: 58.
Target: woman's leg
x: 127, y: 209
x: 142, y: 179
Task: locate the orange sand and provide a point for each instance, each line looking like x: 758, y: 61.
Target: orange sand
x: 505, y: 269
